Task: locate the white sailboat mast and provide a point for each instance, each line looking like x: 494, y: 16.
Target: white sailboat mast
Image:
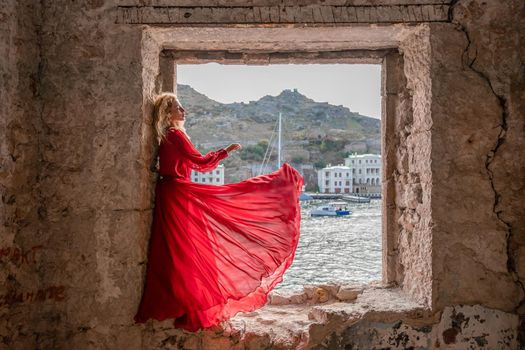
x: 279, y: 144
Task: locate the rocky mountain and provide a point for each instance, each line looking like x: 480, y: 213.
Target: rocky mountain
x: 314, y: 133
x: 212, y: 123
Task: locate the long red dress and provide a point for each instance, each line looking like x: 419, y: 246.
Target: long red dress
x: 216, y: 250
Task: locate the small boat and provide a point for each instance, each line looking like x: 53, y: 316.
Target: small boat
x: 356, y: 199
x: 305, y: 197
x: 331, y: 209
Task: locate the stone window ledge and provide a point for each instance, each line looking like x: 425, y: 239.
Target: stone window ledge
x: 293, y: 318
x: 378, y: 317
x: 301, y: 320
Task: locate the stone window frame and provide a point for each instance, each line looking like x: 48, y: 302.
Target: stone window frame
x: 402, y: 83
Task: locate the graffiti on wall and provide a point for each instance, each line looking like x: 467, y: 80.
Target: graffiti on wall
x: 51, y: 293
x: 19, y: 256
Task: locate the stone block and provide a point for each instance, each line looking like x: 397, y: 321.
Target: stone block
x: 349, y: 292
x: 287, y: 297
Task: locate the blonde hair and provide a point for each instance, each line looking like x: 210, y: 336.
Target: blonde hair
x: 161, y: 113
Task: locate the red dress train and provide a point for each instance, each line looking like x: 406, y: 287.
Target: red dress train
x: 216, y: 250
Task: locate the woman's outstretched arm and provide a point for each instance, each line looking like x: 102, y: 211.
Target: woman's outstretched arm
x: 197, y: 161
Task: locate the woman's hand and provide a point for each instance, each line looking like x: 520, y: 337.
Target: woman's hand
x: 233, y: 147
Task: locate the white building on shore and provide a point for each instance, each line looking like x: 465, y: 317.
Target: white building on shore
x: 335, y: 179
x: 213, y: 177
x: 366, y: 172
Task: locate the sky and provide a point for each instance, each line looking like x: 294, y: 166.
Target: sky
x: 356, y: 86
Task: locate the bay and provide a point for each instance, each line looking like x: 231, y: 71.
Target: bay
x: 336, y: 249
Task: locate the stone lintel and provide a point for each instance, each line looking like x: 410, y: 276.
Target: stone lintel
x: 263, y: 58
x: 303, y: 15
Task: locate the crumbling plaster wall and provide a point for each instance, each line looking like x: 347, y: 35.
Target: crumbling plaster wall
x: 478, y: 164
x: 75, y: 180
x: 95, y: 182
x: 73, y: 172
x: 412, y: 175
x: 19, y: 160
x: 458, y: 171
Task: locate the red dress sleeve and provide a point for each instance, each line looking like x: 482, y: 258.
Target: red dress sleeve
x: 196, y: 160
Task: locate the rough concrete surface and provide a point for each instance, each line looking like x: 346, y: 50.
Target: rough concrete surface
x: 77, y: 190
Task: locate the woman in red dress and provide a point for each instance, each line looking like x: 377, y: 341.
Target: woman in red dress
x: 215, y: 250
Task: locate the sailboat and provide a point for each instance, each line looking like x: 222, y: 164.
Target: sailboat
x: 267, y: 155
x: 266, y: 158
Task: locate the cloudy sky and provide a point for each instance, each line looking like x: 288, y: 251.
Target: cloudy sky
x: 356, y: 86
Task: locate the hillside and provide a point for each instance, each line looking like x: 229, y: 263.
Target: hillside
x: 303, y: 119
x: 313, y: 132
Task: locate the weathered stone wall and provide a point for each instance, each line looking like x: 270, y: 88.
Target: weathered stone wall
x: 460, y: 223
x: 413, y: 176
x: 76, y: 188
x: 478, y: 164
x: 94, y: 176
x: 461, y: 327
x: 93, y: 208
x: 20, y: 70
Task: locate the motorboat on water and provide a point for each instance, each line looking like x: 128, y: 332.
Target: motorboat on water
x: 331, y: 209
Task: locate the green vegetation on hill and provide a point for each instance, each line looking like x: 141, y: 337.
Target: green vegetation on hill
x: 254, y: 152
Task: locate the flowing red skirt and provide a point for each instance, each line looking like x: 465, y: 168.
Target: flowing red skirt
x: 218, y: 250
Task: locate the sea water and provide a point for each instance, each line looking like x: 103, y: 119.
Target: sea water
x: 340, y: 250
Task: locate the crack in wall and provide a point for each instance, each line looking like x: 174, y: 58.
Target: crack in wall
x: 40, y: 112
x: 502, y: 100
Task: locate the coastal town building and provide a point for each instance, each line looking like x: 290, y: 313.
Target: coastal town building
x: 335, y: 179
x: 213, y: 177
x: 366, y: 173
